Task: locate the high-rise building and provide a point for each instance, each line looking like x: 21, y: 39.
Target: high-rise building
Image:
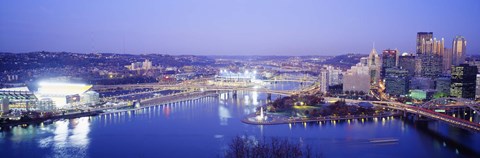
x: 330, y: 76
x: 323, y: 79
x: 389, y: 60
x: 438, y: 46
x: 447, y: 60
x: 442, y: 85
x: 459, y: 50
x: 477, y: 89
x: 421, y: 83
x: 431, y: 65
x: 374, y: 66
x: 407, y: 62
x: 463, y: 83
x: 357, y: 78
x: 4, y: 105
x: 429, y: 55
x: 396, y: 81
x: 424, y: 42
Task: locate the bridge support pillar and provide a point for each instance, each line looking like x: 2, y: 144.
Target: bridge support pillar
x: 269, y: 97
x: 234, y: 94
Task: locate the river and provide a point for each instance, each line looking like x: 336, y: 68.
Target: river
x: 204, y: 128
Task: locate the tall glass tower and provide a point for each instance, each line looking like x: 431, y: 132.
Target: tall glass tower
x: 425, y: 42
x: 458, y: 50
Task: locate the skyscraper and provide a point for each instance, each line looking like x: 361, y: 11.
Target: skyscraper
x: 389, y: 60
x: 374, y: 67
x: 458, y: 50
x: 329, y: 76
x: 431, y: 65
x: 447, y: 60
x: 323, y: 78
x: 438, y: 46
x: 442, y: 85
x: 477, y: 88
x: 463, y: 81
x: 407, y: 62
x: 424, y: 42
x: 429, y: 55
x: 396, y: 81
x: 357, y: 78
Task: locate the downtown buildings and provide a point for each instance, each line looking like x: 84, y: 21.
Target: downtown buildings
x: 329, y: 76
x: 458, y: 50
x: 365, y: 75
x: 433, y: 70
x: 463, y: 83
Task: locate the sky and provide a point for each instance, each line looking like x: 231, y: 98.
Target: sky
x: 233, y: 27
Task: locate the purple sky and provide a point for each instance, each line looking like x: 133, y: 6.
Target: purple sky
x: 233, y: 27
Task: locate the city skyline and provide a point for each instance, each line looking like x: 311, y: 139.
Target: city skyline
x: 233, y: 28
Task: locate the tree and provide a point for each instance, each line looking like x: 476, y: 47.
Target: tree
x: 242, y: 147
x: 361, y: 93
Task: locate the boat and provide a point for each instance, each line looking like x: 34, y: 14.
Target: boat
x: 48, y: 121
x: 387, y: 140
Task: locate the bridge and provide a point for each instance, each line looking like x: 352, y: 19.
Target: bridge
x: 452, y: 103
x: 284, y: 78
x: 289, y: 80
x: 423, y: 112
x: 190, y: 88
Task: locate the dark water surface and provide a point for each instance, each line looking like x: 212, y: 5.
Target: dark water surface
x: 204, y: 127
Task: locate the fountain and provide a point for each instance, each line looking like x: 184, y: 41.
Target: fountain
x: 261, y: 117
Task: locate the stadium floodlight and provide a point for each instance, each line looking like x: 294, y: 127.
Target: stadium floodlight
x: 62, y: 88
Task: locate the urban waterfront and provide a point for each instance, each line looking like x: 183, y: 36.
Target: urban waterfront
x: 205, y: 127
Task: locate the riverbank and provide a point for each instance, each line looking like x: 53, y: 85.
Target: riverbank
x: 114, y: 109
x: 277, y: 119
x: 56, y: 117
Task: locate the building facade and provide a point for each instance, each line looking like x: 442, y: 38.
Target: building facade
x: 389, y: 60
x: 424, y: 43
x: 374, y: 66
x: 357, y: 78
x: 477, y: 88
x: 431, y: 65
x: 464, y: 79
x: 407, y: 62
x: 447, y: 60
x: 442, y: 85
x: 459, y: 50
x: 329, y: 76
x: 396, y: 81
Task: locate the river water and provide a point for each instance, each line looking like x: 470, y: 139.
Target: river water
x: 204, y: 128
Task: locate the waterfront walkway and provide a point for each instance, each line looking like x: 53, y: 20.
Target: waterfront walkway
x: 278, y: 119
x: 174, y: 98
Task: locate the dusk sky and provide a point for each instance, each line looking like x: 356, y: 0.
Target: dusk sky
x: 233, y: 27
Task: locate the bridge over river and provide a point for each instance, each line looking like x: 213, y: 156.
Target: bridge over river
x: 419, y: 111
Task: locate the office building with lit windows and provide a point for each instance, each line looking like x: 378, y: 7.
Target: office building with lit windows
x: 389, y: 60
x: 463, y: 83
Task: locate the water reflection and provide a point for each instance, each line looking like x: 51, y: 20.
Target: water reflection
x: 223, y: 115
x: 66, y: 138
x: 206, y: 126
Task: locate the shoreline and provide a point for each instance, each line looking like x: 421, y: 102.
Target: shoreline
x: 183, y: 98
x: 149, y: 103
x: 285, y: 120
x: 57, y: 117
